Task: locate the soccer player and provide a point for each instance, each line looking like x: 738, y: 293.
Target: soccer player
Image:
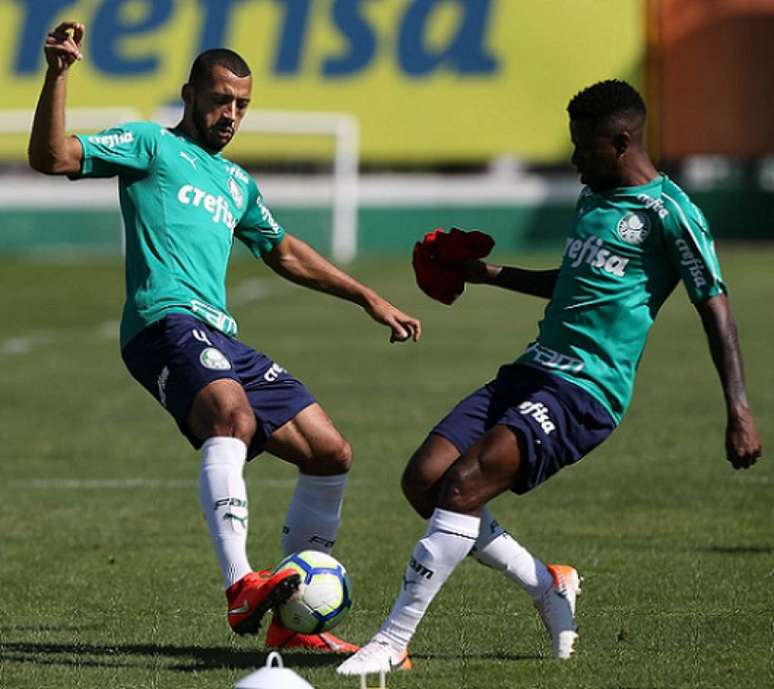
x: 183, y: 204
x: 635, y: 235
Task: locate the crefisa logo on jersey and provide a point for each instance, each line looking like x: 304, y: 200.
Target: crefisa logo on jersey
x: 634, y: 228
x: 236, y: 193
x: 112, y: 140
x: 592, y: 251
x: 694, y: 265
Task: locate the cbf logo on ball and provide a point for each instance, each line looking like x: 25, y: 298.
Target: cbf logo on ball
x: 634, y: 228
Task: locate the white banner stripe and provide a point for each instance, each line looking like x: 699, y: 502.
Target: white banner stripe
x: 128, y: 483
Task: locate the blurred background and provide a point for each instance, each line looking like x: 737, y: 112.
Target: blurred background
x: 374, y: 121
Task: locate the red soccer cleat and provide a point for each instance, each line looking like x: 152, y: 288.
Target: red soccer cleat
x: 281, y: 637
x: 250, y: 598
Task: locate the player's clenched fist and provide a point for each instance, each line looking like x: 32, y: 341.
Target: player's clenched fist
x: 63, y: 46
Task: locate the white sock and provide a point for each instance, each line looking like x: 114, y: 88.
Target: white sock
x: 497, y: 549
x: 223, y: 497
x: 448, y: 540
x: 314, y: 513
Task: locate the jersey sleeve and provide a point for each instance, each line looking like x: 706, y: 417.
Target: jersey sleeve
x: 119, y: 150
x: 691, y: 249
x: 258, y: 229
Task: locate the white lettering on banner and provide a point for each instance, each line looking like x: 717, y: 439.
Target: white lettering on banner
x: 112, y: 140
x: 216, y: 206
x: 591, y: 252
x: 550, y: 359
x: 539, y: 412
x: 694, y: 265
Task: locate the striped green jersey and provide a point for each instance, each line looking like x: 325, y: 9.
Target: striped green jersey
x: 627, y: 249
x: 182, y: 206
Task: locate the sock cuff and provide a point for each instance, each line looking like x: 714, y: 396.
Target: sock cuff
x: 224, y: 450
x: 489, y: 529
x: 321, y: 486
x: 454, y: 522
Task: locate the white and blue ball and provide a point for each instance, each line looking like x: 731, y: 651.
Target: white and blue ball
x: 324, y: 597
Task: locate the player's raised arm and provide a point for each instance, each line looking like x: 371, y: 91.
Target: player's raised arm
x: 298, y: 262
x: 538, y: 283
x: 50, y: 151
x: 743, y: 445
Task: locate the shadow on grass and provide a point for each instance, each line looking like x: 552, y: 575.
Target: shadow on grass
x: 186, y: 658
x: 493, y: 655
x: 167, y: 657
x: 741, y: 549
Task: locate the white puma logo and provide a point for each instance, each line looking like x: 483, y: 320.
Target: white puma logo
x: 190, y: 159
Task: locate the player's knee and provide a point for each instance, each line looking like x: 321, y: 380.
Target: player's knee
x: 236, y: 422
x: 343, y: 456
x: 334, y: 458
x: 461, y: 490
x: 415, y: 483
x: 421, y: 501
x: 243, y: 425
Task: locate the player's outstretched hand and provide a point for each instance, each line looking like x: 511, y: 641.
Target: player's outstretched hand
x: 63, y: 46
x: 743, y: 445
x: 402, y: 327
x: 476, y: 271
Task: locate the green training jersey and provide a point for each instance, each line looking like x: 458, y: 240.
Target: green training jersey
x: 626, y: 251
x: 182, y: 206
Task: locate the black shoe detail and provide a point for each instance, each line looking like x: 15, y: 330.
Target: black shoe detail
x: 278, y: 595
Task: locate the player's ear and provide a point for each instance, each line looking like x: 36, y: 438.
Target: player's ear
x: 186, y: 93
x: 621, y: 142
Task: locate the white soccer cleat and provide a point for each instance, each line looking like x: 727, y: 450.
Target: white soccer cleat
x: 557, y: 609
x: 376, y: 656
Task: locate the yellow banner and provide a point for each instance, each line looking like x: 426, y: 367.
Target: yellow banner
x: 428, y: 80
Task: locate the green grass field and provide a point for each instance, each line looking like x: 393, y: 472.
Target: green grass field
x: 107, y: 577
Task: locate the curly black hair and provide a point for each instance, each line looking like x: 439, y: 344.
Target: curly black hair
x: 604, y: 100
x: 201, y: 70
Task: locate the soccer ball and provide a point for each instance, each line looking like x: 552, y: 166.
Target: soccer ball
x: 324, y: 595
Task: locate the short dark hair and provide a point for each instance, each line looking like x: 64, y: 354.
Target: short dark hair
x: 201, y: 70
x: 604, y: 101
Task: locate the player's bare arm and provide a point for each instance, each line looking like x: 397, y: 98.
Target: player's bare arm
x: 296, y: 261
x: 50, y: 150
x: 538, y: 283
x: 743, y: 445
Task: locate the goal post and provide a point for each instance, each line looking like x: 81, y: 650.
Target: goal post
x: 341, y: 127
x: 344, y: 130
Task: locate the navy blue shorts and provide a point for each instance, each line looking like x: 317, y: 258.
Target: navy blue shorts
x: 177, y: 356
x: 556, y: 423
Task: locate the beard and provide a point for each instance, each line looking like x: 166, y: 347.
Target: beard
x: 208, y: 135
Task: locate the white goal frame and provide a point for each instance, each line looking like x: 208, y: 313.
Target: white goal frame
x: 342, y: 127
